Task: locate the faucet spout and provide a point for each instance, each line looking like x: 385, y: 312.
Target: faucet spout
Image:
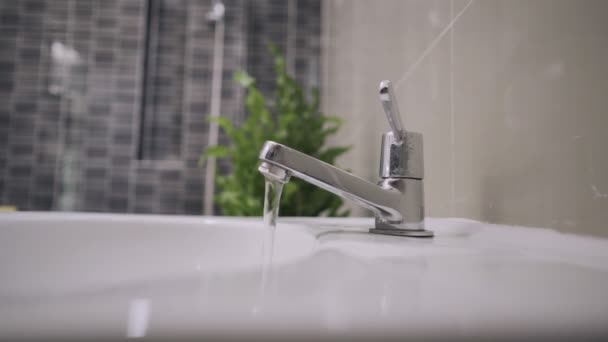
x: 388, y: 200
x: 275, y: 157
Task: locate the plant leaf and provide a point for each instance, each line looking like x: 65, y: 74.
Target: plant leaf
x: 244, y: 79
x: 292, y: 117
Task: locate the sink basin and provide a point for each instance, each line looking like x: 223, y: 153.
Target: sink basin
x: 50, y: 254
x: 102, y: 276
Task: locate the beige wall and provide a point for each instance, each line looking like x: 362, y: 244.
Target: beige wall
x: 512, y: 102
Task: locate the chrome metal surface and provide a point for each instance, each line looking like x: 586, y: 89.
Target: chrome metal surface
x: 402, y: 232
x: 401, y: 151
x: 402, y: 160
x: 391, y: 109
x: 274, y: 172
x: 397, y: 201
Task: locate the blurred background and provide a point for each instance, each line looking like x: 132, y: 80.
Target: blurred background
x: 104, y: 105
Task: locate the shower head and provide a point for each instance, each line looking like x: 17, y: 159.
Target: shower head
x: 217, y: 12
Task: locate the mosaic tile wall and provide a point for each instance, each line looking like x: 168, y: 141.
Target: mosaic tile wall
x: 71, y: 96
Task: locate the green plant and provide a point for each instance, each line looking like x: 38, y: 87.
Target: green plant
x: 289, y: 118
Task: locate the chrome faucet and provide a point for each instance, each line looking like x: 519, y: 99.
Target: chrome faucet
x: 397, y: 201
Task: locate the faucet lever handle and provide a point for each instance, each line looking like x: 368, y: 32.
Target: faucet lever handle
x: 391, y: 109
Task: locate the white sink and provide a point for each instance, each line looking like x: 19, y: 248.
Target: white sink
x: 51, y: 253
x: 104, y: 276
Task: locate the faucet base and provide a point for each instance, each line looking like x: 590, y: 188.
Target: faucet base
x: 402, y: 232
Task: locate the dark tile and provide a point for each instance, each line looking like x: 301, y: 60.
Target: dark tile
x: 47, y: 155
x: 118, y: 204
x: 198, y: 127
x: 119, y: 184
x: 126, y: 83
x: 129, y: 44
x: 131, y: 8
x: 170, y: 199
x: 97, y: 128
x: 8, y: 31
x: 106, y: 22
x: 5, y: 117
x: 94, y: 199
x: 47, y: 135
x: 146, y: 172
x: 6, y: 85
x: 104, y: 57
x: 95, y: 173
x: 142, y: 208
x: 21, y: 171
x: 125, y: 98
x: 10, y: 7
x: 25, y: 107
x: 200, y: 75
x: 97, y: 152
x: 29, y: 53
x: 34, y: 25
x: 42, y: 203
x: 83, y: 8
x: 194, y: 189
x: 83, y: 36
x: 8, y: 45
x: 21, y: 150
x: 227, y: 93
x: 18, y: 194
x: 9, y: 19
x: 121, y: 161
x: 144, y: 190
x: 106, y: 42
x: 126, y: 120
x: 99, y: 108
x: 122, y: 137
x: 170, y: 175
x: 44, y: 182
x: 35, y: 5
x: 202, y: 56
x: 193, y: 206
x: 199, y: 107
x: 194, y: 163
